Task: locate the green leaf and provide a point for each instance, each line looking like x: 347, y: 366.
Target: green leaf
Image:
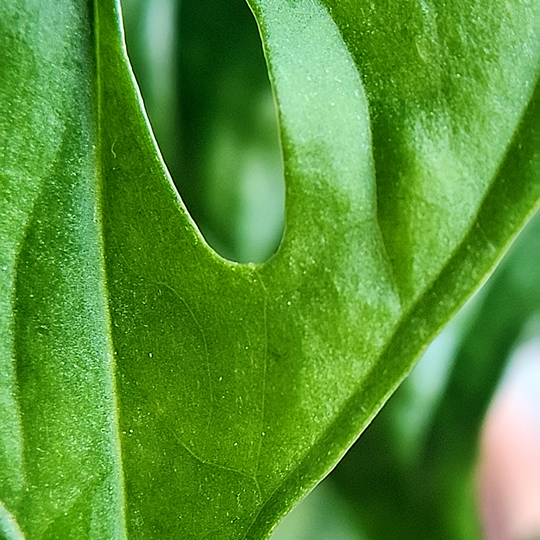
x: 150, y: 389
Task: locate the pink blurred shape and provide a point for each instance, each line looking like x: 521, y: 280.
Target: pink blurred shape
x: 509, y: 466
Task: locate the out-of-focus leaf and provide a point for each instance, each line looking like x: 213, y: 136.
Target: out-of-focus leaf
x: 321, y: 516
x: 149, y: 388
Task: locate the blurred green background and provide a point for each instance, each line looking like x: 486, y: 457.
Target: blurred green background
x: 202, y: 74
x: 411, y: 475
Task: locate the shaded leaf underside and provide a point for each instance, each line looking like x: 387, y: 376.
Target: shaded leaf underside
x: 149, y: 389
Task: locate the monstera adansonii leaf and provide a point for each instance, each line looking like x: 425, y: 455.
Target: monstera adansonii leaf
x: 150, y: 389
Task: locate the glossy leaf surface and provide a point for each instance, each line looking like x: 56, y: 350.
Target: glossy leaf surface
x: 150, y: 389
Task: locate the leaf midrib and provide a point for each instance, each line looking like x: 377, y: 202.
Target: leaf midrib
x: 115, y: 413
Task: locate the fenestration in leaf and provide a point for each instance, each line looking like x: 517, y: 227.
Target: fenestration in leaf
x: 149, y: 389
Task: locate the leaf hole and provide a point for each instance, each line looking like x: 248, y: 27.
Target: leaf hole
x: 203, y: 77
